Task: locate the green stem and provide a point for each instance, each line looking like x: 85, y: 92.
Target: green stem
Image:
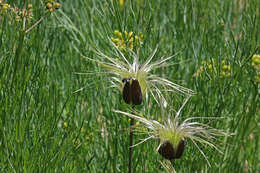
x: 22, y: 34
x: 18, y: 51
x: 36, y: 24
x: 130, y: 145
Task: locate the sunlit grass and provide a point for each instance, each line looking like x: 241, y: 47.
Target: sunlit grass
x: 46, y: 127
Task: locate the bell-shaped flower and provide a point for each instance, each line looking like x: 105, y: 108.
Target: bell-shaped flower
x: 136, y: 80
x: 173, y: 133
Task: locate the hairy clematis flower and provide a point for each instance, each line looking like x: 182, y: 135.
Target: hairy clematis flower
x: 127, y: 76
x: 173, y: 133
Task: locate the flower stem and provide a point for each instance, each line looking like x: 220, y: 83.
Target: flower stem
x: 35, y: 25
x: 130, y: 145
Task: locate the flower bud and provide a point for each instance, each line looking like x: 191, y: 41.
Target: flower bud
x: 118, y: 34
x: 48, y: 5
x: 6, y: 7
x: 29, y: 6
x: 57, y: 5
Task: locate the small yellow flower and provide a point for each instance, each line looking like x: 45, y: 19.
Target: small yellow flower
x: 210, y: 68
x: 256, y: 61
x: 136, y: 38
x: 29, y: 6
x: 48, y: 5
x: 226, y: 67
x: 120, y: 44
x: 129, y: 35
x: 118, y: 34
x: 18, y: 18
x: 256, y: 58
x: 56, y: 5
x: 65, y: 124
x: 257, y: 77
x: 126, y: 39
x: 121, y: 2
x: 131, y: 40
x: 5, y: 7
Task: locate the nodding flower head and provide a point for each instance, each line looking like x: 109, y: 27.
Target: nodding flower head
x: 135, y: 80
x: 173, y: 134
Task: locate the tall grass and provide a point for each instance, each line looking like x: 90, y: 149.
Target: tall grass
x: 46, y: 127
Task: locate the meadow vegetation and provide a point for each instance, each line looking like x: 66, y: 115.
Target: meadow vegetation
x: 59, y: 113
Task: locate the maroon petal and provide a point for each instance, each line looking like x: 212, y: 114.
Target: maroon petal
x: 136, y: 92
x: 180, y: 149
x: 167, y: 150
x: 127, y: 91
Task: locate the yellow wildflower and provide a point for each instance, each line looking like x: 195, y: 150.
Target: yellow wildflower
x: 126, y: 39
x: 65, y: 124
x: 256, y: 61
x: 121, y: 2
x: 257, y: 77
x: 29, y: 6
x: 5, y: 7
x: 209, y: 66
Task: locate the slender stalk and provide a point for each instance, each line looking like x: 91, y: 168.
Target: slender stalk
x: 18, y: 53
x: 130, y: 146
x: 22, y: 34
x: 36, y: 24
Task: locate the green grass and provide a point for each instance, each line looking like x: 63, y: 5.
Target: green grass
x: 37, y: 96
